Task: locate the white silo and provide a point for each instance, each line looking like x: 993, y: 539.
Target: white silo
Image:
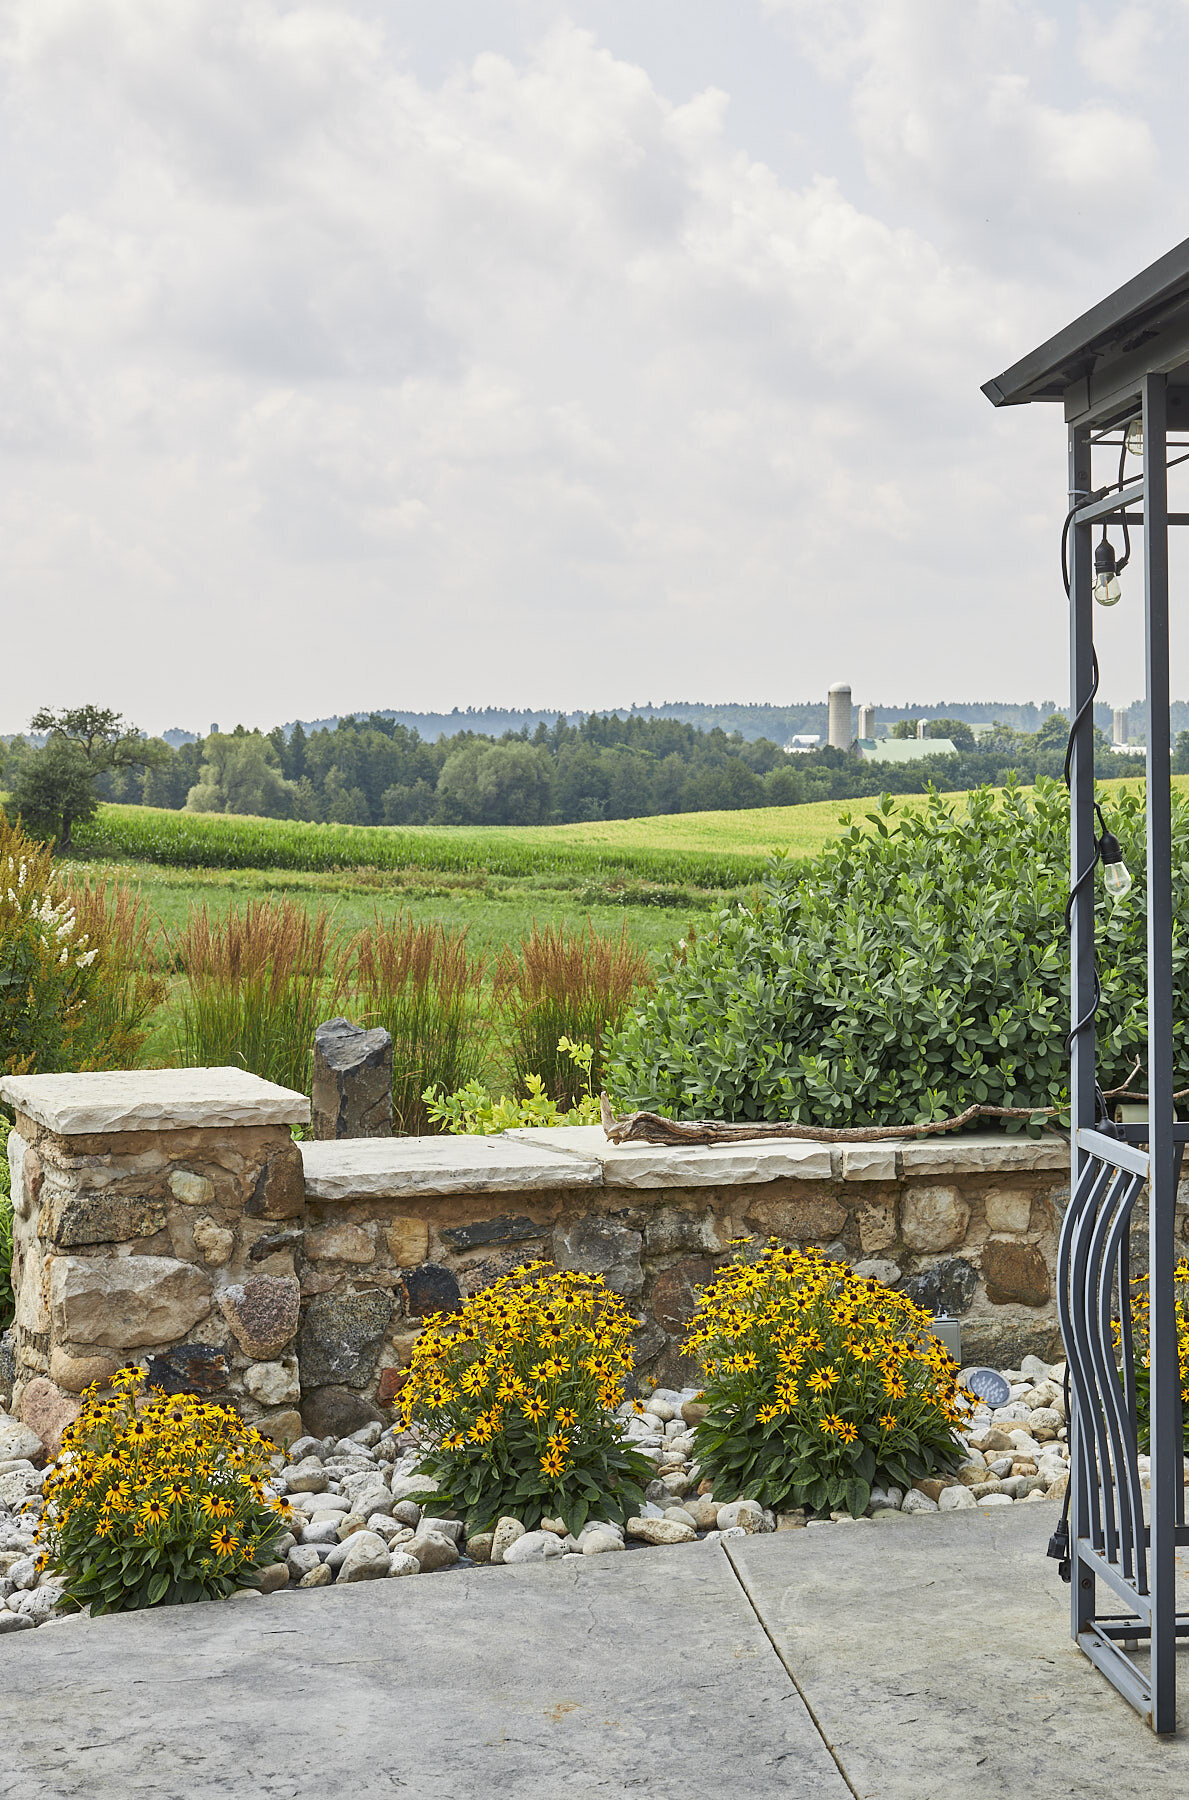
x: 867, y: 723
x: 1121, y: 720
x: 840, y: 734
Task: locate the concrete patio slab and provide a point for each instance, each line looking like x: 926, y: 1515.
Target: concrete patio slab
x: 644, y: 1673
x: 936, y: 1659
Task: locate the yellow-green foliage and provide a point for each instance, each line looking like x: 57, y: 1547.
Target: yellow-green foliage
x: 157, y: 1500
x: 473, y: 1110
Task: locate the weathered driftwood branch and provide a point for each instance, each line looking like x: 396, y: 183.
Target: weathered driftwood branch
x: 654, y: 1128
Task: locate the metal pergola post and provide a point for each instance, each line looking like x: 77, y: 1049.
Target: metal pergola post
x: 1125, y: 360
x: 1167, y: 1485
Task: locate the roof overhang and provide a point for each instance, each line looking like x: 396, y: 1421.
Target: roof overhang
x: 1095, y: 365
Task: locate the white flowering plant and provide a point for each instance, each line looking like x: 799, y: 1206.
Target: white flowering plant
x: 76, y: 987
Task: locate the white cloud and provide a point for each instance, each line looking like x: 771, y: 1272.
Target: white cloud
x: 955, y: 108
x: 329, y: 387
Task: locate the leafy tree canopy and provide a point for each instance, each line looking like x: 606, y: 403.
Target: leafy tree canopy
x: 241, y: 774
x: 104, y: 738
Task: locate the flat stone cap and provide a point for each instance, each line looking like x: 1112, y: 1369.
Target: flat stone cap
x: 151, y: 1100
x: 383, y: 1168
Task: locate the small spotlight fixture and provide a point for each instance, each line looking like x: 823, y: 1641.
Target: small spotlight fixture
x: 1107, y: 591
x: 1133, y: 438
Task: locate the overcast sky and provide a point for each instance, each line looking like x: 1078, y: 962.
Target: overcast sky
x: 420, y: 353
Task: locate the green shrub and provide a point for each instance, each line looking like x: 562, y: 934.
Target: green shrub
x: 563, y: 985
x: 157, y: 1500
x: 902, y: 975
x: 422, y: 986
x: 516, y: 1393
x: 818, y: 1384
x: 474, y: 1110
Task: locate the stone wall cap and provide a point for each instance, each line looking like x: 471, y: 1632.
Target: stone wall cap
x: 773, y: 1159
x: 98, y: 1101
x: 580, y: 1156
x: 385, y: 1168
x: 687, y: 1165
x: 982, y: 1153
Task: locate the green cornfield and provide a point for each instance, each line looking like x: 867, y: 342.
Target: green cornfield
x: 617, y: 850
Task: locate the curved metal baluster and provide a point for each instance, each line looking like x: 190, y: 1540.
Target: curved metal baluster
x: 1110, y: 1448
x: 1083, y: 1203
x: 1120, y: 1249
x: 1126, y: 1468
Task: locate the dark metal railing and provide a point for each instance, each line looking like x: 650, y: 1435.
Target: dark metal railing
x: 1094, y: 1287
x: 1112, y: 1537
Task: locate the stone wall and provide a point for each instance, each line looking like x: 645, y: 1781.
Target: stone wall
x: 396, y: 1228
x: 157, y: 1217
x: 169, y: 1217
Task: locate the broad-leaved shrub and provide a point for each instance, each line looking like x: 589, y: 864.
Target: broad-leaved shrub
x: 906, y: 972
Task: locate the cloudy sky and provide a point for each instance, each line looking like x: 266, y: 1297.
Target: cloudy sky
x: 383, y: 353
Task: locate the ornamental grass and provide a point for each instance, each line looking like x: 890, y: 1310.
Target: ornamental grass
x: 157, y: 1500
x: 560, y: 985
x: 1142, y: 1350
x: 423, y: 986
x: 819, y: 1384
x: 514, y: 1396
x: 258, y: 983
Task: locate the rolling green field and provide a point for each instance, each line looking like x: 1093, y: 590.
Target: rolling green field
x: 661, y: 875
x: 657, y: 878
x: 710, y: 849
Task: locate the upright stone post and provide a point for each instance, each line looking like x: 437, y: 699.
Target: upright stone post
x: 156, y: 1216
x: 352, y: 1081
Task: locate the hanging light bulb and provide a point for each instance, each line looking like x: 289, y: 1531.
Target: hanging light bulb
x: 1107, y: 591
x: 1116, y: 876
x: 1133, y: 438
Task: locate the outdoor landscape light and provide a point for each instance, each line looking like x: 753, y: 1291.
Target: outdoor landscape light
x: 1106, y: 582
x: 1133, y: 438
x: 1116, y: 876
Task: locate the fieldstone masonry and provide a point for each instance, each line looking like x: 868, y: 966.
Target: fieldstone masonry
x: 143, y: 1206
x: 169, y: 1217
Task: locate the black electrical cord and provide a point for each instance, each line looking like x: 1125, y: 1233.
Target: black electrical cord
x: 1059, y: 1542
x: 1058, y: 1547
x: 1085, y: 1023
x: 1126, y: 556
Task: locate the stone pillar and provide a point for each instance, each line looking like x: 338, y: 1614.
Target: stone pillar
x: 156, y: 1219
x: 352, y: 1081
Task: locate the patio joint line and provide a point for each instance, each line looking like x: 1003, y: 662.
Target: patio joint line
x: 783, y: 1661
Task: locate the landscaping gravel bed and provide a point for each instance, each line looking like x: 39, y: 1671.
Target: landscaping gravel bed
x: 354, y: 1520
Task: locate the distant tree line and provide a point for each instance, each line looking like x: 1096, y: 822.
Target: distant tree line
x: 372, y: 771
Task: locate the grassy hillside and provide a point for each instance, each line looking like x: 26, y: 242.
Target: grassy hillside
x: 709, y: 849
x: 701, y: 850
